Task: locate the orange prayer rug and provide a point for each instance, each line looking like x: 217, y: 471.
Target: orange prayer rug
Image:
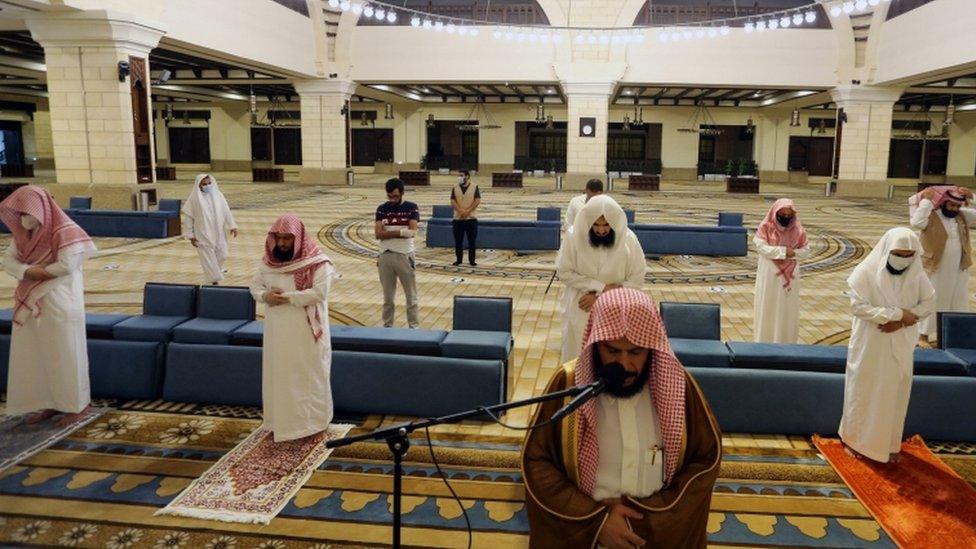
x: 919, y: 501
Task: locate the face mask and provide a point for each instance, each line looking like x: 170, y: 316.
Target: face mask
x: 899, y: 264
x: 784, y: 220
x: 29, y: 222
x: 206, y: 189
x: 948, y: 213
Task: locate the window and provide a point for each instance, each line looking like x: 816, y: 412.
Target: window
x: 189, y: 145
x: 469, y: 144
x: 547, y: 145
x: 287, y: 145
x: 625, y: 147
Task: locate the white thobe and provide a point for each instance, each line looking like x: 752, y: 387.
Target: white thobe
x: 631, y: 448
x: 578, y: 284
x: 210, y: 228
x: 776, y: 311
x: 295, y: 390
x: 48, y: 367
x: 951, y: 283
x: 575, y: 205
x: 878, y: 379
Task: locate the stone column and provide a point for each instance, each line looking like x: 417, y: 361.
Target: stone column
x: 865, y: 139
x: 91, y: 109
x: 324, y: 130
x: 586, y: 156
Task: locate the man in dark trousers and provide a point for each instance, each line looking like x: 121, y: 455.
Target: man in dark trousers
x: 465, y: 199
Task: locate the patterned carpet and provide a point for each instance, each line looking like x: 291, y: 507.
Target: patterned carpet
x: 100, y: 487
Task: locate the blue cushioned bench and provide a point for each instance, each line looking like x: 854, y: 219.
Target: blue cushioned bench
x: 804, y: 403
x: 164, y: 307
x: 387, y: 340
x: 126, y: 223
x: 97, y: 325
x: 728, y: 238
x: 830, y: 358
x: 957, y: 335
x: 361, y: 382
x: 220, y: 310
x: 541, y: 234
x: 117, y: 369
x: 695, y: 333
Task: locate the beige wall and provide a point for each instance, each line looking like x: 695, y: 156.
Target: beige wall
x: 908, y: 51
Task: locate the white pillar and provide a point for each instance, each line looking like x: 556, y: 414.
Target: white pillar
x: 586, y: 154
x: 324, y: 129
x: 865, y: 139
x: 91, y: 109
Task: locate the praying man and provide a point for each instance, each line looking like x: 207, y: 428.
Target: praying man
x: 940, y: 213
x: 600, y: 254
x: 780, y: 241
x: 206, y: 221
x: 635, y: 466
x: 48, y: 367
x: 890, y: 294
x: 293, y: 282
x: 594, y: 187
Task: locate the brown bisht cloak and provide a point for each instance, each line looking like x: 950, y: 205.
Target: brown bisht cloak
x: 562, y: 516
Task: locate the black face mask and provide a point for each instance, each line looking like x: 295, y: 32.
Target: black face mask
x: 597, y: 240
x: 282, y: 255
x: 893, y: 270
x: 616, y: 376
x: 784, y: 220
x: 948, y: 213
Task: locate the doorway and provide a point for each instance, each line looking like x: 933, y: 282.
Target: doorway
x: 372, y: 145
x: 11, y: 143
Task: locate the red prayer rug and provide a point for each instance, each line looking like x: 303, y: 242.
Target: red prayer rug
x: 919, y: 501
x: 253, y: 482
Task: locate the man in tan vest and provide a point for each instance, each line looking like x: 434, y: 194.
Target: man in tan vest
x: 465, y: 199
x: 944, y: 222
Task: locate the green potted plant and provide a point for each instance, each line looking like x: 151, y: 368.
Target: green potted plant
x: 732, y: 167
x: 748, y: 168
x: 742, y: 176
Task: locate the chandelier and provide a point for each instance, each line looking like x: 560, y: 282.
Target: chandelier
x: 477, y: 113
x: 701, y: 117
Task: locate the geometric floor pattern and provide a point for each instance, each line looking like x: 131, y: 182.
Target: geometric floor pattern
x: 100, y: 487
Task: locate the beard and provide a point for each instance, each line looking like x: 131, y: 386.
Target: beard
x: 283, y: 255
x: 949, y: 213
x: 606, y: 241
x: 616, y: 376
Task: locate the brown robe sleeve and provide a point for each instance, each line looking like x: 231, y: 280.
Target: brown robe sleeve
x: 677, y: 516
x: 560, y: 515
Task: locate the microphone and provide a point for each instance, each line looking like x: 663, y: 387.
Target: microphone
x: 610, y: 374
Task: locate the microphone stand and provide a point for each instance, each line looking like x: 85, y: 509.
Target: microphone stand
x: 397, y: 438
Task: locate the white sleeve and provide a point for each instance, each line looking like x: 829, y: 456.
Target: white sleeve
x: 920, y: 219
x: 565, y: 268
x: 768, y: 251
x: 229, y: 217
x: 969, y: 214
x: 636, y: 268
x: 66, y: 264
x: 319, y: 291
x: 187, y: 226
x: 258, y: 287
x: 926, y: 299
x: 803, y: 253
x: 861, y: 308
x: 13, y: 267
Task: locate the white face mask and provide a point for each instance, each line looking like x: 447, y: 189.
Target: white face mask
x: 900, y: 263
x: 29, y: 222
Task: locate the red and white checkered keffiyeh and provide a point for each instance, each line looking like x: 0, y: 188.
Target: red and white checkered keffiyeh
x: 794, y: 236
x: 305, y: 261
x: 940, y: 194
x: 43, y: 245
x: 631, y: 314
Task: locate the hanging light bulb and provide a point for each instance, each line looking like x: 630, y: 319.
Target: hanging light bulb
x: 761, y: 26
x: 368, y: 10
x: 414, y: 21
x: 836, y: 10
x: 639, y: 37
x: 391, y: 16
x: 380, y: 14
x: 950, y: 114
x: 509, y: 35
x: 438, y: 26
x: 773, y: 24
x: 725, y: 30
x: 626, y: 125
x: 540, y: 113
x: 861, y: 5
x: 168, y: 111
x: 462, y: 30
x: 784, y: 22
x: 357, y: 8
x: 797, y: 18
x: 450, y: 28
x: 388, y: 115
x: 750, y: 26
x: 428, y: 24
x: 795, y: 118
x: 252, y: 102
x: 549, y: 123
x: 333, y: 4
x: 810, y: 17
x: 344, y: 5
x: 848, y: 7
x: 520, y: 36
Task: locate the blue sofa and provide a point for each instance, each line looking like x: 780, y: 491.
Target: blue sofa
x: 695, y: 333
x: 957, y: 335
x: 164, y: 307
x: 803, y: 403
x: 220, y: 310
x: 728, y: 238
x: 499, y: 234
x: 126, y: 223
x: 97, y: 325
x: 124, y: 370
